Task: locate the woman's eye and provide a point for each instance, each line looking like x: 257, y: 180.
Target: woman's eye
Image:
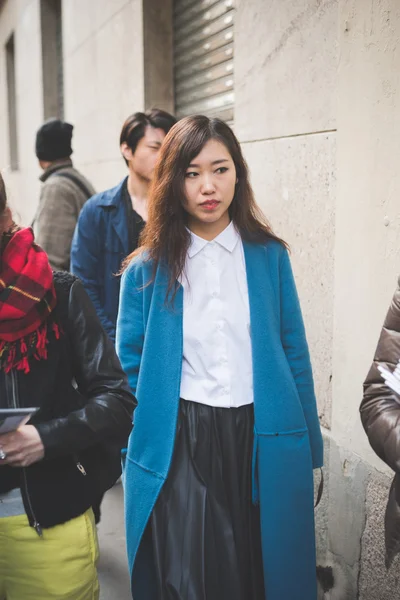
x: 191, y: 174
x: 222, y: 169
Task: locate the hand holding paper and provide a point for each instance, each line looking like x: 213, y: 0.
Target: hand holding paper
x: 12, y: 418
x: 22, y: 447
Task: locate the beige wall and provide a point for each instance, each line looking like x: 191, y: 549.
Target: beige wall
x: 285, y: 67
x: 368, y: 202
x: 285, y: 117
x: 103, y: 84
x: 103, y: 74
x: 23, y: 18
x: 317, y: 111
x: 158, y: 54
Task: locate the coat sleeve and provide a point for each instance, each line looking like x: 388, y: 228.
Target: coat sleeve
x: 87, y: 254
x: 380, y: 406
x: 108, y: 402
x: 296, y: 349
x: 130, y: 326
x: 55, y: 223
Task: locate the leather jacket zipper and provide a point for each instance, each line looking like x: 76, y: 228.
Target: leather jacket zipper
x: 36, y: 525
x: 14, y: 401
x: 81, y: 468
x: 15, y: 404
x: 79, y: 465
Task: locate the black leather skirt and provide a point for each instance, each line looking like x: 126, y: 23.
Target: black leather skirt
x: 205, y: 530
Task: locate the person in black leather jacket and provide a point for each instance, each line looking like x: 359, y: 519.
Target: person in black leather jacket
x: 55, y: 356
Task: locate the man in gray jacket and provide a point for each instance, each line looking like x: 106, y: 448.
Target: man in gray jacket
x: 64, y: 192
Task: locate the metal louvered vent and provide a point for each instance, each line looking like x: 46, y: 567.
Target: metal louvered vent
x: 203, y: 58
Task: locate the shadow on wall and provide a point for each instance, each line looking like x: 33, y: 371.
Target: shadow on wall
x: 332, y: 584
x: 325, y: 578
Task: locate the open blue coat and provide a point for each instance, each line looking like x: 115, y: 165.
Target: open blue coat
x: 287, y: 435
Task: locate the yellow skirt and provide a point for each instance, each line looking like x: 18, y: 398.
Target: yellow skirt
x: 60, y: 565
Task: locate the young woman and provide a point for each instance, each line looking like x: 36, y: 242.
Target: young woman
x: 54, y: 356
x: 219, y: 482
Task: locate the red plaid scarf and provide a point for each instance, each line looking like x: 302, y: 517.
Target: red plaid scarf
x: 27, y: 299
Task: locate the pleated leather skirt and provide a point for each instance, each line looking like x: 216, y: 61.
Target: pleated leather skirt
x: 205, y: 530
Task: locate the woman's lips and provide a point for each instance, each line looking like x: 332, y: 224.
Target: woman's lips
x: 210, y: 204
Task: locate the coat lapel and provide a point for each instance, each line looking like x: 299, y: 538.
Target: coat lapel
x: 114, y: 202
x: 264, y: 320
x: 259, y: 285
x: 159, y: 380
x: 119, y: 222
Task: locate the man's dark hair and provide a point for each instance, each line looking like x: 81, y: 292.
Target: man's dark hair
x: 134, y: 128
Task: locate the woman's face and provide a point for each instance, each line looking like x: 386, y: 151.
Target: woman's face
x: 209, y: 188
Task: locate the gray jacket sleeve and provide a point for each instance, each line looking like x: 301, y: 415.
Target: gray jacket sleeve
x: 55, y: 223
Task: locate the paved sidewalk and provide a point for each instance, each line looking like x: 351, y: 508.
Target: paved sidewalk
x: 113, y: 569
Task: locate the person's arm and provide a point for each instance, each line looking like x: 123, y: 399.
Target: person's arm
x: 108, y: 402
x: 87, y: 252
x: 296, y: 349
x: 380, y: 406
x: 55, y: 223
x: 130, y: 326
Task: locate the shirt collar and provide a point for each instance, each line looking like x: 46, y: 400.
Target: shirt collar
x: 228, y: 238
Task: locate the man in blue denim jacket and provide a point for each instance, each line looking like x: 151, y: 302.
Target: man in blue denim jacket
x: 110, y: 223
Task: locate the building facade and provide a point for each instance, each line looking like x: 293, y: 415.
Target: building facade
x: 312, y: 88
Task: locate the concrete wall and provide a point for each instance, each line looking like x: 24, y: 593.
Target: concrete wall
x: 23, y: 18
x: 366, y: 252
x: 103, y: 70
x: 367, y: 209
x: 103, y: 84
x: 158, y: 54
x: 285, y: 117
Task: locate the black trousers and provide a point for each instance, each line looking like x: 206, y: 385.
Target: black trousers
x: 205, y: 531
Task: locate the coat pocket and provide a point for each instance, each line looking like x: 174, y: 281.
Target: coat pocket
x: 275, y: 440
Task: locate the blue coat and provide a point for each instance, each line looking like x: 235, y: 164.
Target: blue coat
x: 99, y: 246
x: 287, y: 436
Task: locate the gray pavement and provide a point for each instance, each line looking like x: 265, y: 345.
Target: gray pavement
x: 113, y: 568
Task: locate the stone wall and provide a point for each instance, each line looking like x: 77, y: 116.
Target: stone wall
x: 103, y: 51
x: 104, y: 83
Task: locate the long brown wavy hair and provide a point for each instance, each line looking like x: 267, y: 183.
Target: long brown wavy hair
x: 165, y: 238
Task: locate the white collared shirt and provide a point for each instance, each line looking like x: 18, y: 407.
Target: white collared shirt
x: 217, y: 358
